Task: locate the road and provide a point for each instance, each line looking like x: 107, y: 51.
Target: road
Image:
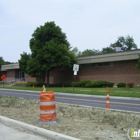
x: 125, y: 104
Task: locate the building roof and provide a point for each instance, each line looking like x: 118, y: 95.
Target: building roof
x: 110, y: 57
x: 9, y: 66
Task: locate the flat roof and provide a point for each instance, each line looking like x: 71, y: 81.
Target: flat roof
x: 109, y: 57
x: 98, y: 58
x: 9, y: 66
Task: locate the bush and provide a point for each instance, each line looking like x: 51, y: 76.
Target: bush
x: 66, y: 84
x: 121, y: 85
x: 100, y: 84
x: 80, y: 83
x: 75, y: 84
x: 20, y: 83
x: 130, y: 85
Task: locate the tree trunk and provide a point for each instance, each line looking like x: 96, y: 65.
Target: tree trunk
x: 48, y: 74
x: 44, y: 76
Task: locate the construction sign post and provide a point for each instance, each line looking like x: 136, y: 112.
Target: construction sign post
x: 75, y: 69
x: 3, y: 77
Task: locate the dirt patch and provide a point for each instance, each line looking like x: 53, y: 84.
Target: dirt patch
x: 80, y: 122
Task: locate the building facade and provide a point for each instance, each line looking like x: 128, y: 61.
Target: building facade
x: 114, y: 67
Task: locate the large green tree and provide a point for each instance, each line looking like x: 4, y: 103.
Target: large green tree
x: 125, y: 43
x: 2, y: 61
x: 23, y: 62
x: 49, y: 49
x: 138, y: 64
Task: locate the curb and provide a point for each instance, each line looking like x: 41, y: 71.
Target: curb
x: 40, y: 131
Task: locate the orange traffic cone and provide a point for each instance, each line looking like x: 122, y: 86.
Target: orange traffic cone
x: 107, y: 98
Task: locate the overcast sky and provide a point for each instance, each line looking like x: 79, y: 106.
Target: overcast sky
x: 88, y: 24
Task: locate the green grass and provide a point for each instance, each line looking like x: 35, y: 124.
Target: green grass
x: 122, y: 92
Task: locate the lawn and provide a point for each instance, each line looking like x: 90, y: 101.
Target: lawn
x: 122, y: 92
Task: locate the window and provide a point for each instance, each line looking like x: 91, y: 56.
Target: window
x: 105, y: 64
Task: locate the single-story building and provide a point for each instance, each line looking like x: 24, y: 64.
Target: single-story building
x: 114, y: 67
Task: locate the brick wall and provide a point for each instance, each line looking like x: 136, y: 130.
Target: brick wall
x: 123, y: 71
x: 61, y: 75
x: 28, y: 78
x: 11, y: 73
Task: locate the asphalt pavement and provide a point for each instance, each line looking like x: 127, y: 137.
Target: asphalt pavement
x: 116, y: 103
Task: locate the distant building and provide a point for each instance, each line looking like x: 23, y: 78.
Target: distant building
x: 114, y: 67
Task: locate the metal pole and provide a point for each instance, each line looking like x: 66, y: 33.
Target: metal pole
x: 74, y: 81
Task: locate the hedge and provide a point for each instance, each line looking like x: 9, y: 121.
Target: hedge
x: 121, y: 84
x: 100, y: 84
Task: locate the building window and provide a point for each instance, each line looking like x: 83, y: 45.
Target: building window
x: 106, y: 64
x: 90, y: 65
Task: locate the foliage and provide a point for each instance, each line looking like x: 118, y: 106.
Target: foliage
x: 125, y: 43
x: 138, y: 64
x: 75, y: 51
x: 80, y: 83
x: 96, y: 84
x: 65, y: 84
x: 86, y: 83
x: 88, y: 52
x: 108, y: 50
x: 121, y: 84
x: 130, y: 85
x: 20, y: 83
x: 49, y: 49
x: 2, y: 62
x: 35, y: 84
x: 23, y: 62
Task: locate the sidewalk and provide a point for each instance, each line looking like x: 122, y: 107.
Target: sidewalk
x: 15, y: 130
x: 9, y: 133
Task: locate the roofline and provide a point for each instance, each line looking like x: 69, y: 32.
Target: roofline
x: 9, y: 66
x: 110, y: 57
x: 108, y: 53
x: 98, y: 58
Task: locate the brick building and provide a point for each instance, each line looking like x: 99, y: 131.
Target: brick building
x: 114, y: 67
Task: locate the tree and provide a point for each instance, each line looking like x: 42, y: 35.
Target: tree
x: 2, y: 62
x: 108, y: 50
x: 75, y: 51
x: 49, y: 49
x: 23, y: 62
x: 125, y: 43
x: 138, y: 64
x: 88, y: 52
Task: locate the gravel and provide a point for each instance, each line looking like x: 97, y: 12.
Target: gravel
x: 79, y: 122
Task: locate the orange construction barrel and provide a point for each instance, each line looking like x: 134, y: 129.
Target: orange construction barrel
x: 47, y: 106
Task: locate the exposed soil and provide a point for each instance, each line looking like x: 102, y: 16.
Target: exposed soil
x: 80, y: 122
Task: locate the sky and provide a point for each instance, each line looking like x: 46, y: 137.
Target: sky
x: 88, y: 24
